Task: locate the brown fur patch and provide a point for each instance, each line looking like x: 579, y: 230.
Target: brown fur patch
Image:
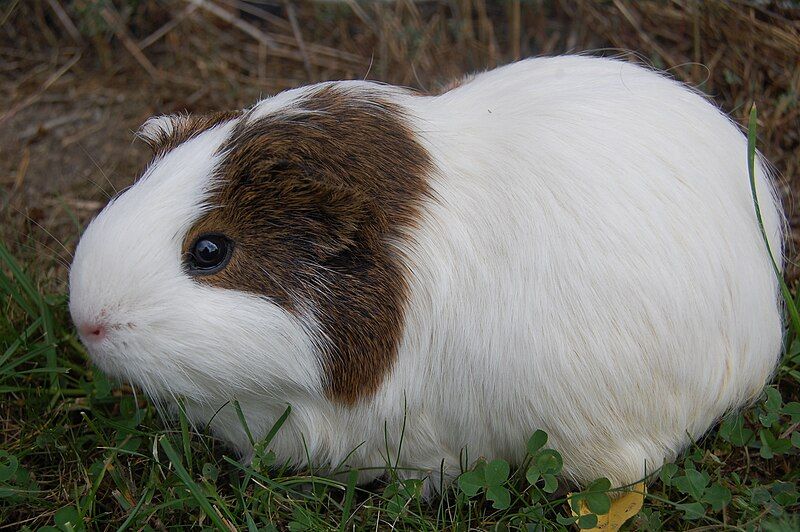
x: 312, y: 198
x: 183, y: 128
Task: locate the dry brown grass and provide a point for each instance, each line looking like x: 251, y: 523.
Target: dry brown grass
x: 78, y: 76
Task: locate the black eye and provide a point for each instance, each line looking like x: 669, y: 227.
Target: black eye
x: 209, y: 254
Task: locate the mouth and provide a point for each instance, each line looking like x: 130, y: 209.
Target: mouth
x: 106, y: 358
x: 124, y: 365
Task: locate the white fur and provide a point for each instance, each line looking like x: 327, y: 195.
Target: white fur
x: 591, y: 266
x: 157, y: 125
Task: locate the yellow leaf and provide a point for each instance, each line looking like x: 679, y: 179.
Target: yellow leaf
x: 622, y: 508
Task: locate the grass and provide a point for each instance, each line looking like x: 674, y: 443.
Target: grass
x: 81, y: 454
x: 78, y: 453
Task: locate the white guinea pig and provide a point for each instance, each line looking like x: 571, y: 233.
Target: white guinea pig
x: 566, y: 244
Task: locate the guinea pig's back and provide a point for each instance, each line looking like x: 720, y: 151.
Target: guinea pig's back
x: 592, y: 260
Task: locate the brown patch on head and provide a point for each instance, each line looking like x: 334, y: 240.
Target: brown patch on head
x: 313, y: 198
x: 163, y: 133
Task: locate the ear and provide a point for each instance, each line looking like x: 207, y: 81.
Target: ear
x: 158, y: 129
x: 165, y: 132
x: 339, y: 219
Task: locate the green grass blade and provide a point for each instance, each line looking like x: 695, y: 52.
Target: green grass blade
x: 184, y: 422
x: 751, y: 169
x: 7, y: 287
x: 133, y: 513
x: 194, y: 489
x: 348, y: 498
x: 16, y: 344
x: 30, y: 303
x: 50, y: 354
x: 243, y: 421
x: 286, y: 484
x: 19, y: 277
x: 251, y: 525
x: 276, y: 426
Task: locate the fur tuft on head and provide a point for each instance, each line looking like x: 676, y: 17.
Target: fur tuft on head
x: 158, y: 127
x: 165, y: 132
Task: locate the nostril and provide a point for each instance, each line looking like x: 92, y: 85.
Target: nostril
x: 92, y: 331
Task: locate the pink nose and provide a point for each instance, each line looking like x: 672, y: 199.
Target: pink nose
x: 92, y: 332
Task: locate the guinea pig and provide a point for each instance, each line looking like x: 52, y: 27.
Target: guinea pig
x: 567, y: 244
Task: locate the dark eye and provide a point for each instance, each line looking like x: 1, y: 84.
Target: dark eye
x: 209, y: 254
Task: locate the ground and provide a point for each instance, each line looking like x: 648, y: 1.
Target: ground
x: 79, y: 76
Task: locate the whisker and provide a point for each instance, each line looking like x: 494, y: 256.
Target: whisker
x: 40, y: 226
x: 369, y: 68
x: 53, y: 253
x: 98, y: 187
x: 105, y: 176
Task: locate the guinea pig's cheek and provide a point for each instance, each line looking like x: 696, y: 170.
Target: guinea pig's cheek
x: 230, y: 341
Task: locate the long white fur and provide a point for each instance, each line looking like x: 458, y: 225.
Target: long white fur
x: 591, y: 266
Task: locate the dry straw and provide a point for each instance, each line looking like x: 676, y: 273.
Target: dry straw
x: 107, y: 65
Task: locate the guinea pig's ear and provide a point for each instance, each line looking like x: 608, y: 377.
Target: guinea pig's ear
x: 156, y: 130
x: 338, y: 219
